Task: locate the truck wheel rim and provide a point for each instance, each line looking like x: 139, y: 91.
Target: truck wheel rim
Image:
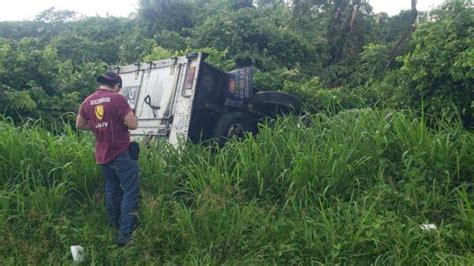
x: 236, y: 130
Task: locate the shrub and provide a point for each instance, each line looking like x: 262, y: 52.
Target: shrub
x: 440, y: 70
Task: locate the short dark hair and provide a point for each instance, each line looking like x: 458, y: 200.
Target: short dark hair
x: 110, y: 79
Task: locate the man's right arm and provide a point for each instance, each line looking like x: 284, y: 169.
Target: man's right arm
x: 131, y: 121
x: 126, y: 113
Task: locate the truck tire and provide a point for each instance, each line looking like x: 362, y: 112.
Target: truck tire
x: 235, y: 125
x: 273, y: 103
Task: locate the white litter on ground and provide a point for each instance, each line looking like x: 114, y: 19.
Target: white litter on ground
x: 428, y: 226
x: 78, y: 253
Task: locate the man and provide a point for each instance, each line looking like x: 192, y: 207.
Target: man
x: 108, y: 115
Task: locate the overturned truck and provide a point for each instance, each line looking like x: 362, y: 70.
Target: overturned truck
x: 187, y: 98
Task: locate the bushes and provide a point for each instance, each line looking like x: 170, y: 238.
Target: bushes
x: 353, y: 187
x: 35, y: 82
x: 439, y: 71
x: 317, y: 98
x: 47, y: 66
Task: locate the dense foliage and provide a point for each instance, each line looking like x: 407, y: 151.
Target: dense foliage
x: 357, y: 195
x: 330, y: 52
x: 351, y: 186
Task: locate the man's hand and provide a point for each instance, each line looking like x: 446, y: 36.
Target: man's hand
x: 131, y: 121
x: 82, y: 123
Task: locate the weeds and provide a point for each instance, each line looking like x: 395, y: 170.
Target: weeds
x: 351, y: 188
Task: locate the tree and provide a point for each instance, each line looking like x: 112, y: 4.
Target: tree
x: 157, y: 15
x: 411, y: 28
x: 52, y: 15
x: 440, y: 69
x: 258, y: 37
x: 36, y: 82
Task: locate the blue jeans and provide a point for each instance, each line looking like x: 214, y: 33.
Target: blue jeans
x: 121, y: 193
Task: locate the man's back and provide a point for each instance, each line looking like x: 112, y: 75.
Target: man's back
x: 108, y: 115
x: 106, y: 110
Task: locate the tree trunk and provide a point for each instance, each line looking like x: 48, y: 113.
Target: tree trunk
x: 411, y: 28
x: 338, y: 39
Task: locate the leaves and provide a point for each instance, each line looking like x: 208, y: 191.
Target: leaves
x: 341, y: 44
x: 36, y: 82
x: 441, y: 64
x: 19, y: 100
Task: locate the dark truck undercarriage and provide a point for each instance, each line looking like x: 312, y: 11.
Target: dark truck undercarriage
x: 227, y: 105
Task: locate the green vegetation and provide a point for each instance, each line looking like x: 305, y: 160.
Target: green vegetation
x: 330, y: 52
x: 350, y: 188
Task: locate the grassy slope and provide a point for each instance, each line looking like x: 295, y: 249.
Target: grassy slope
x: 352, y: 188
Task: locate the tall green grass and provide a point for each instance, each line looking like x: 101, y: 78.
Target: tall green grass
x: 351, y: 188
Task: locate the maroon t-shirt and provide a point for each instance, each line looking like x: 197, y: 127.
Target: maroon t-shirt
x: 105, y: 111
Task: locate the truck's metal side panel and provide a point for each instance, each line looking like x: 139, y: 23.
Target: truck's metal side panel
x: 157, y: 91
x: 184, y: 102
x: 131, y: 87
x: 157, y: 100
x: 162, y: 95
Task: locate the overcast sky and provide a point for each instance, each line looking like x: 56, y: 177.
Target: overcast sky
x: 27, y: 9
